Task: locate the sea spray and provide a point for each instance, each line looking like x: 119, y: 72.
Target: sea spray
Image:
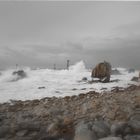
x: 57, y: 83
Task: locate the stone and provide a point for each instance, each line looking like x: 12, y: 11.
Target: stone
x: 115, y: 72
x: 61, y: 128
x: 84, y: 132
x: 131, y: 70
x: 41, y: 87
x: 136, y: 79
x: 84, y: 79
x: 101, y: 128
x: 135, y: 125
x: 102, y: 71
x: 4, y: 130
x: 111, y: 138
x: 20, y: 75
x: 29, y: 125
x: 21, y: 133
x: 120, y: 128
x: 132, y: 137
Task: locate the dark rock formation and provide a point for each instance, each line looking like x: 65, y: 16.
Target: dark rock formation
x: 136, y: 79
x: 115, y: 72
x: 20, y: 74
x: 131, y: 70
x: 102, y: 71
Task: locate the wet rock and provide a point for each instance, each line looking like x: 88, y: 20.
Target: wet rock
x: 21, y: 138
x: 115, y: 72
x: 132, y: 137
x: 131, y: 70
x: 20, y: 75
x: 41, y: 87
x: 30, y: 126
x: 101, y: 128
x: 136, y: 79
x: 4, y: 130
x: 21, y: 133
x: 74, y: 89
x: 84, y: 79
x: 83, y: 88
x: 135, y: 125
x: 84, y: 132
x: 111, y: 138
x: 136, y: 114
x: 102, y: 71
x: 61, y: 128
x: 120, y: 128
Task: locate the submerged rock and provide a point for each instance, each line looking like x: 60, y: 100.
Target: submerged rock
x: 83, y: 132
x: 84, y: 79
x: 131, y: 70
x: 20, y: 75
x: 115, y: 72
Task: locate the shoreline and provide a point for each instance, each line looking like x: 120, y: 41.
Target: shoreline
x: 23, y: 119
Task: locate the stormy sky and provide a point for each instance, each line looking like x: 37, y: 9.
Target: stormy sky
x: 40, y: 34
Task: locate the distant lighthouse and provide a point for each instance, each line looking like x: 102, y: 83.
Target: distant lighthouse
x: 68, y: 63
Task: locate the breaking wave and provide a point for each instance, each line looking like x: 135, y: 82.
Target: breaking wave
x: 41, y: 83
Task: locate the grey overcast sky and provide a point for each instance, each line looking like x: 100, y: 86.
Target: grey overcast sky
x: 39, y: 34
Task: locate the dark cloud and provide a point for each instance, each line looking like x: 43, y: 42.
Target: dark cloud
x: 43, y: 33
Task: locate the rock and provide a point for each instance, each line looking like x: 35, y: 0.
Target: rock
x: 83, y: 88
x: 136, y: 114
x: 41, y: 87
x: 21, y: 133
x: 4, y: 130
x: 120, y: 128
x: 84, y: 79
x: 21, y: 138
x: 111, y: 138
x: 131, y: 70
x: 61, y: 128
x: 83, y: 132
x: 135, y: 125
x: 115, y: 72
x: 74, y: 89
x: 101, y: 128
x: 102, y: 71
x: 20, y: 75
x: 29, y: 125
x: 132, y: 137
x: 136, y: 79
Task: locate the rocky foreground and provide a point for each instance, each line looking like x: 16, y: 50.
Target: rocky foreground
x: 91, y: 116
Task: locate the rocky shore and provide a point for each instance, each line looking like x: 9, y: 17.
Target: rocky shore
x: 92, y: 116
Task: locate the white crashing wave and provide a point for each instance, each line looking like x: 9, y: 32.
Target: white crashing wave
x: 47, y: 83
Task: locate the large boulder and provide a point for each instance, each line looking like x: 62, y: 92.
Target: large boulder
x: 121, y: 128
x: 102, y: 71
x: 101, y: 128
x: 84, y: 132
